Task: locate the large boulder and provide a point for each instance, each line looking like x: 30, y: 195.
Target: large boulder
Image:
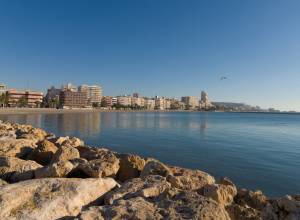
x: 222, y: 193
x: 150, y: 186
x: 52, y: 198
x: 59, y: 169
x: 35, y: 134
x: 107, y: 166
x: 256, y: 200
x: 44, y: 153
x: 65, y: 153
x: 93, y: 153
x: 187, y: 179
x: 237, y: 212
x: 134, y: 208
x: 14, y: 169
x: 16, y: 147
x: 155, y: 167
x: 130, y: 167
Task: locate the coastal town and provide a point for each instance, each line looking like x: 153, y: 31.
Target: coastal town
x: 69, y: 96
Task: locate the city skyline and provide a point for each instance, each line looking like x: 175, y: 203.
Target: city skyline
x: 167, y: 48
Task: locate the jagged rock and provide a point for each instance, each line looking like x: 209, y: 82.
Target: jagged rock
x: 92, y: 153
x: 252, y: 199
x: 59, y: 169
x: 16, y: 147
x: 52, y: 198
x: 134, y: 208
x: 35, y: 134
x: 130, y: 167
x: 189, y: 179
x: 154, y: 167
x: 149, y: 186
x: 7, y: 134
x: 3, y: 182
x: 108, y: 166
x: 14, y: 169
x: 221, y: 193
x: 65, y: 153
x: 69, y: 141
x: 190, y: 205
x: 44, y: 153
x: 237, y: 212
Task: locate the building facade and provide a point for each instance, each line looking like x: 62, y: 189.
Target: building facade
x: 2, y: 88
x: 70, y: 99
x: 21, y: 98
x: 52, y: 97
x: 107, y: 101
x: 191, y: 102
x: 124, y: 100
x: 205, y: 102
x: 94, y: 93
x: 149, y: 104
x: 69, y: 87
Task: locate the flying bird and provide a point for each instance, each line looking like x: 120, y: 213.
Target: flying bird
x: 223, y: 78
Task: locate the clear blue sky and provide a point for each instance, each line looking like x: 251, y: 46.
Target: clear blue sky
x: 156, y: 47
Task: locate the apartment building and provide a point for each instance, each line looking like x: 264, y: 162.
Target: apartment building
x: 94, y: 93
x: 2, y: 88
x: 107, y: 101
x: 24, y: 98
x: 190, y: 101
x: 149, y: 104
x: 137, y: 101
x: 124, y: 100
x: 70, y: 99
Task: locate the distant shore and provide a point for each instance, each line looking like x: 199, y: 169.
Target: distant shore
x: 6, y: 111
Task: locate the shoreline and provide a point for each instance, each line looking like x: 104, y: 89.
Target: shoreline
x: 7, y: 111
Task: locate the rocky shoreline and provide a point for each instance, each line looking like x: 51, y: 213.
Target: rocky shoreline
x: 47, y: 177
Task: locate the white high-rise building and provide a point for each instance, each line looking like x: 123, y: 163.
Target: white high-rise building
x: 94, y: 93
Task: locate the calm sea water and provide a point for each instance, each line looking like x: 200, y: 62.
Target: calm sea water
x: 257, y: 151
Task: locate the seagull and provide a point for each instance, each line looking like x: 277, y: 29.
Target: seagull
x: 223, y: 78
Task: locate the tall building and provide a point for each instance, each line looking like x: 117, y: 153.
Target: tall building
x: 190, y: 101
x: 2, y: 88
x: 94, y: 93
x: 205, y: 102
x: 24, y: 98
x: 70, y: 99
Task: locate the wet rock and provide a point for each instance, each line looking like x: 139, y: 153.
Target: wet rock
x: 130, y: 167
x: 108, y: 166
x: 65, y: 153
x: 154, y: 167
x: 16, y: 147
x: 149, y: 186
x: 189, y: 179
x: 59, y: 169
x: 44, y: 153
x: 52, y: 198
x: 14, y: 169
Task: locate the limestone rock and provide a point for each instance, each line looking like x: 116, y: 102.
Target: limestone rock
x: 65, y: 153
x: 134, y: 208
x: 35, y: 134
x: 154, y: 167
x: 44, y: 153
x: 149, y: 186
x: 252, y: 199
x: 130, y: 167
x: 52, y: 198
x: 92, y: 153
x: 59, y: 169
x: 69, y: 141
x: 14, y: 169
x: 189, y: 179
x: 237, y: 212
x: 108, y: 166
x: 3, y: 182
x: 16, y: 147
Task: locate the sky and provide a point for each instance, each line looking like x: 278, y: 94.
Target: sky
x: 156, y: 47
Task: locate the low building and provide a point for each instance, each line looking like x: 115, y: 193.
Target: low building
x: 24, y: 98
x: 107, y: 101
x: 149, y: 104
x: 136, y: 101
x: 70, y: 99
x: 124, y: 100
x: 114, y: 100
x: 159, y: 103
